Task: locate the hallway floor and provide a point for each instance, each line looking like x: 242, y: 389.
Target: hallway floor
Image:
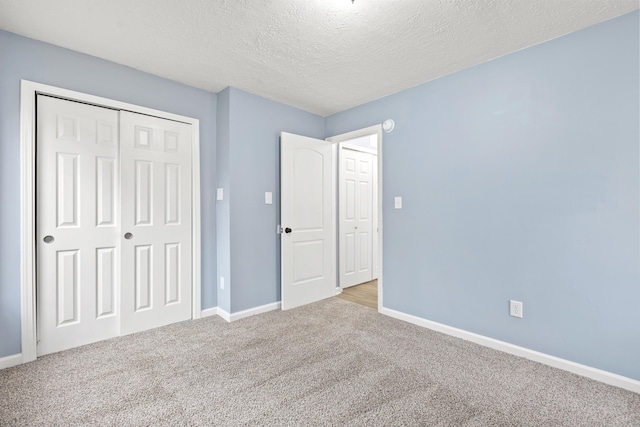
x: 365, y: 294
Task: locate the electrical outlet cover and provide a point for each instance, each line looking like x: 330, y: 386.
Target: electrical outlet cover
x: 515, y: 308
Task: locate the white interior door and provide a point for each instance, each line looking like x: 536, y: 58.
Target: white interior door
x: 78, y: 215
x: 356, y: 216
x: 156, y: 221
x: 307, y: 212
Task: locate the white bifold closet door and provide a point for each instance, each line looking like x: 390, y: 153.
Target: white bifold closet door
x: 77, y: 224
x: 155, y: 158
x: 102, y: 173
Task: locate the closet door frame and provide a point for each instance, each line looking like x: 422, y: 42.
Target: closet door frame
x: 28, y: 92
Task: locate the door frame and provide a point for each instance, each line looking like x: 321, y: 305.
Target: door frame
x: 371, y: 130
x: 28, y: 92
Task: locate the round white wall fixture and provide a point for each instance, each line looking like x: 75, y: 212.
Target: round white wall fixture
x: 388, y: 125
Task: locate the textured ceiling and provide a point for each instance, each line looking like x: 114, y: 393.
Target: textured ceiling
x: 323, y: 56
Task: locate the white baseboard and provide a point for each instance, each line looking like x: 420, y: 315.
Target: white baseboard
x: 231, y: 317
x: 10, y: 361
x: 253, y: 311
x: 225, y: 315
x: 338, y: 291
x: 556, y: 362
x: 208, y: 312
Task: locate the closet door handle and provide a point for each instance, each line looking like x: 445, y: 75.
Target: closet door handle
x: 128, y: 236
x: 48, y: 239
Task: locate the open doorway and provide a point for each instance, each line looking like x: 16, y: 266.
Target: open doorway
x: 310, y: 254
x: 359, y: 245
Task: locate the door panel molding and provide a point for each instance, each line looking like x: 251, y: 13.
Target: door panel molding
x: 28, y: 92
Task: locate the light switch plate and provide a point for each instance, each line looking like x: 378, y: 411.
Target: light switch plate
x: 219, y: 194
x: 397, y: 202
x: 268, y: 198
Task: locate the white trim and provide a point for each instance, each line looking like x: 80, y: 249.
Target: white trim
x: 232, y: 317
x: 376, y: 129
x: 335, y: 267
x: 224, y: 314
x: 380, y: 222
x: 358, y: 148
x: 28, y: 92
x: 546, y: 359
x: 196, y: 248
x: 27, y: 225
x: 253, y: 311
x: 10, y: 361
x: 208, y: 312
x: 338, y: 291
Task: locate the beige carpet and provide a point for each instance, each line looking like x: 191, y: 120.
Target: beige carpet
x: 330, y: 363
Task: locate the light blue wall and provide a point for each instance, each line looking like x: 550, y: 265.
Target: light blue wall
x: 520, y: 180
x: 255, y: 126
x: 223, y: 207
x: 22, y: 58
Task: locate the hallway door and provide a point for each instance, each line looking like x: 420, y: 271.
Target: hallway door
x: 356, y: 209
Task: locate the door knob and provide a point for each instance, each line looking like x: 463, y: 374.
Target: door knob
x: 287, y: 230
x: 128, y: 236
x: 48, y: 239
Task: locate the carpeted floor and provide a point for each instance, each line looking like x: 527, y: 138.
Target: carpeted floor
x: 329, y: 363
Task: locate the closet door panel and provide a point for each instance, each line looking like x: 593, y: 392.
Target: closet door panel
x: 156, y: 225
x: 76, y: 224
